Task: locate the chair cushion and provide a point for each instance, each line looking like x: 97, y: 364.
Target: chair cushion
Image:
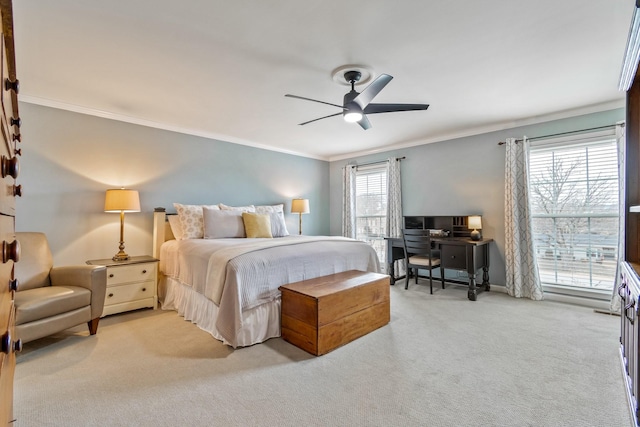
x: 424, y: 261
x: 40, y: 303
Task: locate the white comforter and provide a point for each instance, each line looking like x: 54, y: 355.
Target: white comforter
x: 239, y: 274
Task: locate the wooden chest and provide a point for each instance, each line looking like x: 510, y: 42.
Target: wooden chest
x: 322, y: 314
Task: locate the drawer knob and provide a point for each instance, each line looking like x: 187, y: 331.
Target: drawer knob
x: 8, y: 345
x: 144, y: 289
x: 10, y: 251
x: 144, y: 271
x: 453, y: 257
x: 16, y: 121
x: 110, y: 295
x: 13, y: 85
x: 13, y: 285
x: 9, y: 167
x: 111, y: 275
x: 17, y: 190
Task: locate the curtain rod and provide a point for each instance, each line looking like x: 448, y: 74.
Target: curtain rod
x: 376, y: 163
x: 566, y: 133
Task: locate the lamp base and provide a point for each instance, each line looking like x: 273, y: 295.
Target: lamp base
x: 120, y: 256
x: 475, y: 235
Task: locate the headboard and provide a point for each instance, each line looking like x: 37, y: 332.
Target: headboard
x: 161, y: 230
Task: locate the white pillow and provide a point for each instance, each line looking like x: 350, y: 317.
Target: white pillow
x: 191, y: 219
x: 249, y: 208
x: 276, y: 214
x: 220, y: 224
x: 271, y: 208
x: 176, y: 227
x: 278, y: 226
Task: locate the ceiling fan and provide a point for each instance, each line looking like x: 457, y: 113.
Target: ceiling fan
x: 357, y: 105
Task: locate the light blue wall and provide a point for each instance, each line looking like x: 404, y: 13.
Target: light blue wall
x: 69, y: 160
x: 462, y: 177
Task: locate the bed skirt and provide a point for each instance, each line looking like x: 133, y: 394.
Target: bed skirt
x: 258, y: 324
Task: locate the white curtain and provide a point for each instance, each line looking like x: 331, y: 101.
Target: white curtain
x: 615, y: 298
x: 394, y: 198
x: 394, y: 204
x: 348, y: 201
x: 523, y: 279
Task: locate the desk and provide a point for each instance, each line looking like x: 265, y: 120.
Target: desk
x: 456, y: 253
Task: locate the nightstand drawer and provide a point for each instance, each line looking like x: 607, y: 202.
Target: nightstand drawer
x: 130, y: 292
x: 131, y: 273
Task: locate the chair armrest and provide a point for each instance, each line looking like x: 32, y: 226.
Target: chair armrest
x: 92, y: 277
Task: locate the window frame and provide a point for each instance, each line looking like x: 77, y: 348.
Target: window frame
x: 566, y: 142
x: 377, y: 240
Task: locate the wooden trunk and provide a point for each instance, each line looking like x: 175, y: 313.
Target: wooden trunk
x: 322, y: 314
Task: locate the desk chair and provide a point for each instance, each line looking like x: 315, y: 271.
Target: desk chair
x: 418, y: 254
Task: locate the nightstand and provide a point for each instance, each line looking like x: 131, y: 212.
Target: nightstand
x: 131, y: 284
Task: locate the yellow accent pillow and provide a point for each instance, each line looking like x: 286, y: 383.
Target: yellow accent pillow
x: 257, y: 225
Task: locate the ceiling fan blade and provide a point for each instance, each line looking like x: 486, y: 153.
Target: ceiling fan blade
x: 370, y: 92
x: 364, y: 122
x: 325, y: 117
x: 390, y: 108
x: 314, y: 100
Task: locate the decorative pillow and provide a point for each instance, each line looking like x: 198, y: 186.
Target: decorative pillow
x: 278, y: 226
x: 176, y: 227
x: 257, y: 224
x: 271, y: 208
x: 219, y: 224
x: 191, y: 220
x: 249, y: 208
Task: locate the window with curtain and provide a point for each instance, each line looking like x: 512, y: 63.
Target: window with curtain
x: 575, y: 212
x: 371, y: 208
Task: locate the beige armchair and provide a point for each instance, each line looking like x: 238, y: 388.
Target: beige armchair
x: 51, y: 299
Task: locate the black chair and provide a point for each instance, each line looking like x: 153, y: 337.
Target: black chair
x: 418, y: 254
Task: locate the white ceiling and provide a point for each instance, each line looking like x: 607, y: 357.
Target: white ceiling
x: 220, y: 69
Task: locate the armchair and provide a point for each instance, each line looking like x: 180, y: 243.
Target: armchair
x: 51, y: 299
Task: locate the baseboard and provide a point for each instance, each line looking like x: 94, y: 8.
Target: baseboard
x: 601, y: 306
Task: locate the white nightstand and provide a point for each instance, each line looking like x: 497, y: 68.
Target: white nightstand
x: 131, y: 284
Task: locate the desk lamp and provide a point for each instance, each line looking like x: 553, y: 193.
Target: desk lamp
x: 474, y: 223
x: 121, y: 200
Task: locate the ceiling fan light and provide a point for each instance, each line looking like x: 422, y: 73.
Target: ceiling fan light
x: 352, y: 116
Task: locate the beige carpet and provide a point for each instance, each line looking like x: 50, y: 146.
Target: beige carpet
x: 442, y: 361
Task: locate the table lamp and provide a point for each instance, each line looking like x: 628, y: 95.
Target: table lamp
x: 474, y: 223
x: 121, y: 200
x: 300, y: 206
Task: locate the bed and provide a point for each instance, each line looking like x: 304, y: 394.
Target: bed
x: 227, y: 282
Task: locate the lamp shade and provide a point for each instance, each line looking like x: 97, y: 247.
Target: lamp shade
x: 122, y: 200
x: 300, y: 206
x: 474, y: 222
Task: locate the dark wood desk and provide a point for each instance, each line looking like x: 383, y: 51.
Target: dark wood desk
x: 456, y: 253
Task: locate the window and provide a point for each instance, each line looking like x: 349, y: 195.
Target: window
x: 575, y: 212
x: 371, y: 208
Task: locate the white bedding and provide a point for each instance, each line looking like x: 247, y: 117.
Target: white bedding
x: 240, y: 276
